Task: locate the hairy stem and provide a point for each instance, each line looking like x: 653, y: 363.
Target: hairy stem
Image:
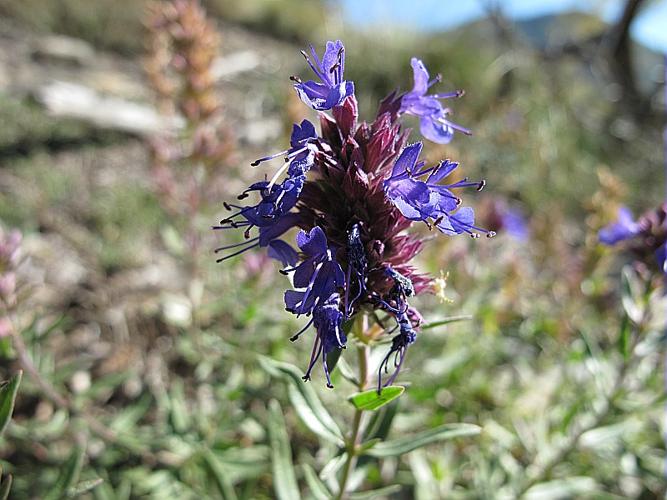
x: 354, y: 442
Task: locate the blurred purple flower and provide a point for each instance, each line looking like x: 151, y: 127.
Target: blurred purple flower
x: 646, y: 237
x: 433, y: 121
x: 331, y: 90
x: 622, y: 229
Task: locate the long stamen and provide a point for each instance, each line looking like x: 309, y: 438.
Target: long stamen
x: 455, y: 126
x: 298, y: 334
x: 310, y: 63
x: 450, y: 95
x: 227, y: 247
x: 267, y: 158
x: 237, y: 253
x: 436, y: 79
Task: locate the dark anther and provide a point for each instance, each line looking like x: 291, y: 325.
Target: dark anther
x: 246, y: 233
x: 295, y: 79
x: 226, y: 205
x: 481, y: 185
x: 242, y: 196
x: 255, y: 163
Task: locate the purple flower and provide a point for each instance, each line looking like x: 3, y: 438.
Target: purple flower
x: 302, y: 149
x: 331, y: 90
x: 433, y: 122
x: 399, y: 346
x: 623, y: 229
x: 428, y: 200
x: 328, y: 320
x: 646, y: 238
x: 319, y: 275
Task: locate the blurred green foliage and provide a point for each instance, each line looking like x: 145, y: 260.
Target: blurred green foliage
x: 556, y: 350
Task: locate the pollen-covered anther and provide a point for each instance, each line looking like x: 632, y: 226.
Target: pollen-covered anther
x: 474, y: 236
x: 490, y: 234
x: 481, y: 185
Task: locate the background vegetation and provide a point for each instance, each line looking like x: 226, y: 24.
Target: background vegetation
x: 161, y: 359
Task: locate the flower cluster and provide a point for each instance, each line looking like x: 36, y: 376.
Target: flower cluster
x: 353, y: 190
x: 646, y: 238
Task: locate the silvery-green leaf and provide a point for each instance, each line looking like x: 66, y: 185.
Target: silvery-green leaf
x: 284, y: 477
x: 69, y: 474
x: 5, y: 486
x: 446, y: 321
x: 558, y: 489
x: 318, y: 489
x: 84, y: 487
x: 219, y: 474
x: 303, y: 398
x: 406, y: 444
x: 380, y: 492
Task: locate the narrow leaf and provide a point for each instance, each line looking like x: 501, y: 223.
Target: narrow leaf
x: 400, y: 446
x: 380, y: 492
x: 7, y: 398
x: 284, y: 478
x: 5, y: 486
x: 571, y: 487
x: 371, y: 400
x: 216, y: 469
x: 317, y: 488
x: 446, y: 321
x: 84, y: 487
x: 381, y: 421
x: 624, y: 338
x: 305, y: 401
x: 68, y: 475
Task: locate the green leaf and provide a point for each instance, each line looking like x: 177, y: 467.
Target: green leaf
x: 303, y: 398
x: 380, y: 492
x: 624, y: 338
x: 5, y: 486
x: 346, y: 371
x: 632, y: 296
x: 371, y: 400
x: 69, y: 474
x: 332, y: 359
x: 84, y: 487
x: 317, y: 488
x: 217, y: 470
x: 380, y: 423
x: 7, y: 398
x: 571, y: 487
x: 446, y: 321
x: 284, y: 478
x: 400, y: 446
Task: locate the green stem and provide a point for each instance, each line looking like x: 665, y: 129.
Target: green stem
x: 354, y: 441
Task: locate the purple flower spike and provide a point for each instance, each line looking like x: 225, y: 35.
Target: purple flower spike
x: 353, y: 189
x: 624, y: 228
x: 433, y: 121
x: 331, y: 90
